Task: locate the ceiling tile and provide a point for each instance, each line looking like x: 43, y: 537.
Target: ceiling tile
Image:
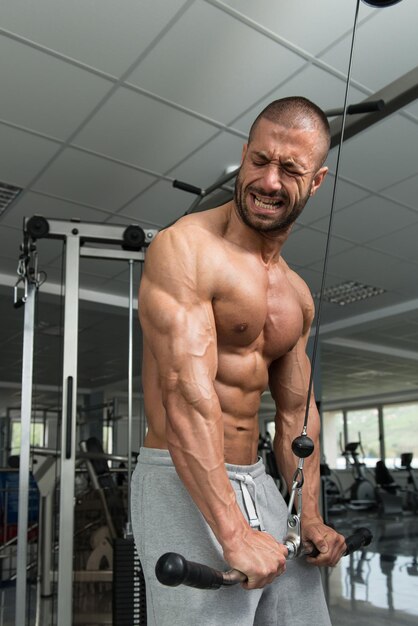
x: 143, y: 132
x: 402, y: 243
x: 160, y: 205
x: 99, y: 33
x: 412, y: 109
x: 321, y: 22
x: 54, y: 97
x: 22, y: 155
x: 405, y: 191
x: 370, y: 267
x: 207, y: 165
x: 38, y: 204
x: 311, y: 82
x: 320, y: 205
x: 369, y: 219
x: 383, y: 154
x: 10, y: 238
x: 92, y: 180
x: 306, y: 247
x: 382, y: 52
x: 189, y: 69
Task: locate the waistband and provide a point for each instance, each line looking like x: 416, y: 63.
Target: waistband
x: 154, y: 456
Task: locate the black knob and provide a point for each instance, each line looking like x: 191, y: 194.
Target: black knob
x: 302, y: 446
x: 37, y: 227
x: 171, y: 569
x: 133, y: 238
x: 380, y: 3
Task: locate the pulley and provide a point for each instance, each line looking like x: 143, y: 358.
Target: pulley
x: 380, y: 3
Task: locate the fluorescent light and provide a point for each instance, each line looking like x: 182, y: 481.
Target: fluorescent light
x: 349, y: 292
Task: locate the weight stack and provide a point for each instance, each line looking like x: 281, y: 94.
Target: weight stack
x: 129, y: 600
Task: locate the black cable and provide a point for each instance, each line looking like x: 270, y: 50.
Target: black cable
x: 331, y: 216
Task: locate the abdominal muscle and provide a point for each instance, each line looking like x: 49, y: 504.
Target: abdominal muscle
x: 239, y: 384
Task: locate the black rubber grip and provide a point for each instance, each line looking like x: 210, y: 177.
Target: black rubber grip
x: 366, y: 107
x: 69, y: 430
x: 178, y: 184
x: 173, y: 569
x: 360, y: 538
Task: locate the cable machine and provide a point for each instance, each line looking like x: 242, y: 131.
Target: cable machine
x: 87, y: 240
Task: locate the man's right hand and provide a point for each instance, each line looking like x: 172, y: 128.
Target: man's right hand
x: 257, y: 555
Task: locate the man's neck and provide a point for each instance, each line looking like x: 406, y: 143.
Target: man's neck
x: 266, y: 245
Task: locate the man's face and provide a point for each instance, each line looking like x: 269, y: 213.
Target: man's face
x: 278, y: 174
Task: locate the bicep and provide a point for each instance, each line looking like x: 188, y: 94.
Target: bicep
x: 177, y: 321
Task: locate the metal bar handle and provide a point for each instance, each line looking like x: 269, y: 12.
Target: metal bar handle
x: 173, y: 569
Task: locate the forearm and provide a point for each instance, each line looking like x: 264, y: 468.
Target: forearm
x: 286, y: 432
x: 196, y: 443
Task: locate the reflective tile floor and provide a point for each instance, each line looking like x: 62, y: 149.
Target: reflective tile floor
x: 373, y: 587
x: 379, y: 584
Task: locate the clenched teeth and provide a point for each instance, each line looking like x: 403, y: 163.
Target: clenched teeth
x: 266, y: 204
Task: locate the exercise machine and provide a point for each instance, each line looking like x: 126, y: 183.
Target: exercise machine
x: 87, y: 240
x: 332, y: 493
x: 412, y: 488
x: 388, y: 492
x: 362, y: 491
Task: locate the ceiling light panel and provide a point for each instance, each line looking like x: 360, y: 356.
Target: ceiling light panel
x: 349, y: 292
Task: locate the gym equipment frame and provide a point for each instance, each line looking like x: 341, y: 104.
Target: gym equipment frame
x: 76, y: 235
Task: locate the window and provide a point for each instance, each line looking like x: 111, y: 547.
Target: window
x: 270, y: 428
x: 332, y: 430
x: 108, y: 438
x: 400, y: 425
x: 36, y: 435
x: 363, y: 426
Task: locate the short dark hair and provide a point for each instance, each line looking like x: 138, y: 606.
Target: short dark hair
x: 291, y: 111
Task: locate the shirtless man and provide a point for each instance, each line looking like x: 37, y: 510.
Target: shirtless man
x: 223, y: 318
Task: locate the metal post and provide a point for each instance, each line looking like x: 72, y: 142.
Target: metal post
x: 130, y: 376
x: 68, y: 431
x: 46, y: 544
x: 381, y: 433
x: 26, y: 411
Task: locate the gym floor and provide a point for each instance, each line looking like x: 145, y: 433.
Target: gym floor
x: 372, y: 587
x: 378, y: 585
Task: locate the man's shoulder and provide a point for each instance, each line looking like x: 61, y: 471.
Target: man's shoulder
x: 186, y: 255
x: 191, y: 232
x: 303, y: 291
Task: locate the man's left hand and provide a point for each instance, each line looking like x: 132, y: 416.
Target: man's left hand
x: 331, y: 545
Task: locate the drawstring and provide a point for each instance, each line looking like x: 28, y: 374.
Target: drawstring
x: 247, y: 482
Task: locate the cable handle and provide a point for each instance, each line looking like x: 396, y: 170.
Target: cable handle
x: 360, y: 538
x: 173, y: 569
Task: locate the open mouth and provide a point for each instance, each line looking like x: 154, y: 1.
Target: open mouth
x: 267, y: 204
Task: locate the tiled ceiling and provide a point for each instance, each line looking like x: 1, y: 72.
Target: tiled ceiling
x: 103, y: 104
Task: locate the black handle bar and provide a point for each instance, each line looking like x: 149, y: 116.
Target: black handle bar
x: 173, y: 569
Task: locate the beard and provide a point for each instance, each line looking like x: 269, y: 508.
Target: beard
x: 266, y: 223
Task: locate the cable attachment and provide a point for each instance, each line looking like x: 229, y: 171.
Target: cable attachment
x: 302, y: 446
x: 27, y: 271
x: 293, y: 540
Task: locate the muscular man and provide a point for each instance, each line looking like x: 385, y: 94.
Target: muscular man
x: 223, y: 318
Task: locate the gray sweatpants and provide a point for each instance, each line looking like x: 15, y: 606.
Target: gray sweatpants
x: 165, y: 519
